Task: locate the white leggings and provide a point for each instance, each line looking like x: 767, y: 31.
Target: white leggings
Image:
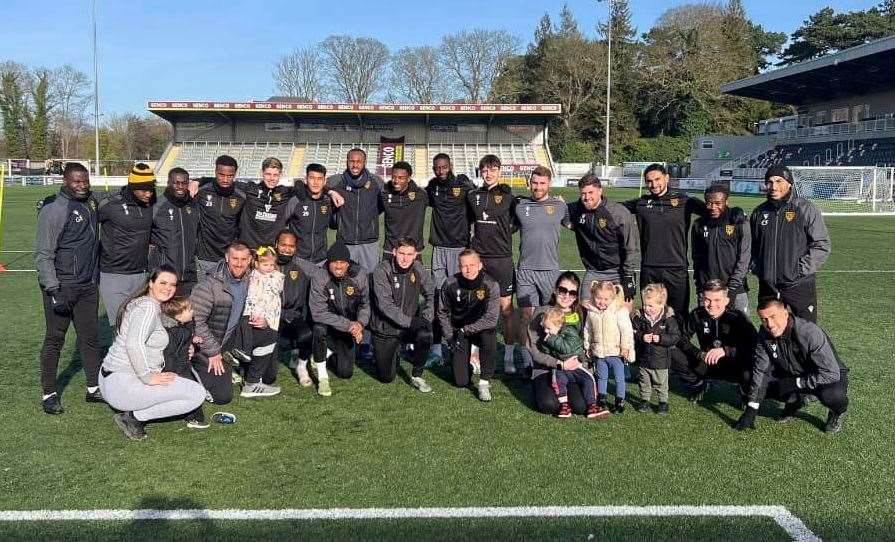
x: 124, y: 391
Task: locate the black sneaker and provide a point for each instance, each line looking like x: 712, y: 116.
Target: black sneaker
x: 644, y: 406
x: 130, y: 426
x: 52, y: 405
x: 95, y: 397
x: 698, y: 391
x: 619, y: 406
x: 663, y: 409
x: 834, y: 423
x: 790, y: 410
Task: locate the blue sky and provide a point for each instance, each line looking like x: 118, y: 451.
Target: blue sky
x: 226, y: 49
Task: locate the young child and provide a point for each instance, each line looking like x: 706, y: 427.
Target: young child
x: 608, y: 339
x: 562, y: 341
x: 656, y: 331
x: 264, y: 299
x: 177, y: 318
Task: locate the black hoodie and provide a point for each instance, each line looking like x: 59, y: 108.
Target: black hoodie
x: 125, y: 227
x: 219, y: 211
x: 175, y: 225
x: 664, y: 222
x: 450, y: 217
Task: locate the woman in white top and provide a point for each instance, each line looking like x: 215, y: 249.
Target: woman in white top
x: 131, y: 377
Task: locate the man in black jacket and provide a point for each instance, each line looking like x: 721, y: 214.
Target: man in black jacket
x: 175, y: 226
x: 403, y: 204
x: 726, y: 342
x: 358, y: 216
x: 794, y: 358
x: 67, y: 260
x: 789, y: 245
x: 295, y: 325
x: 468, y: 312
x: 403, y: 305
x: 340, y: 308
x: 663, y: 220
x: 220, y: 203
x: 125, y: 221
x: 722, y: 247
x: 310, y: 213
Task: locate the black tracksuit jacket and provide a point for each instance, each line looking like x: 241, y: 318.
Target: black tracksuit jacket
x: 404, y: 213
x: 493, y: 216
x: 664, y: 224
x: 66, y: 250
x: 607, y: 237
x: 358, y: 218
x: 125, y: 228
x: 722, y: 249
x: 397, y: 295
x: 296, y: 286
x: 175, y: 229
x: 449, y: 225
x: 732, y: 331
x: 471, y: 305
x: 218, y: 220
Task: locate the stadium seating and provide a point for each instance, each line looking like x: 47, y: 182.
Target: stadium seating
x: 198, y: 157
x: 866, y: 152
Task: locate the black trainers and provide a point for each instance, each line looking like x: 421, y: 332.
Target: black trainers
x: 789, y: 411
x: 698, y: 391
x: 644, y: 406
x: 619, y: 406
x: 834, y: 423
x: 95, y: 397
x: 130, y: 426
x: 663, y: 409
x: 52, y: 405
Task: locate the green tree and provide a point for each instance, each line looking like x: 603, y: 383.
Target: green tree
x: 13, y: 108
x: 827, y: 32
x: 39, y: 115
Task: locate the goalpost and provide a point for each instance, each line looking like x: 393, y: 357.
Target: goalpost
x: 847, y: 191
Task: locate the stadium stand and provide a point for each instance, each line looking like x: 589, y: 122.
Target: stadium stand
x: 868, y: 152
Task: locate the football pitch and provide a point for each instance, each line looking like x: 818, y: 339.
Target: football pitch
x: 385, y: 462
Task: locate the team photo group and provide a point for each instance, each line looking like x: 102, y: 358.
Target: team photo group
x: 206, y: 282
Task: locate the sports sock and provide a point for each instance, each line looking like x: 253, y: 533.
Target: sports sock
x: 92, y: 389
x: 321, y: 371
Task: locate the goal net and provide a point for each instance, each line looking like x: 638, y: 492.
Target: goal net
x: 847, y: 190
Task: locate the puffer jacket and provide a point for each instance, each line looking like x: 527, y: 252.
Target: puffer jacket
x: 656, y: 355
x: 607, y: 332
x: 212, y: 303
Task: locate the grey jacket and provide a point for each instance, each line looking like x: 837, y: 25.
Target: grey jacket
x: 396, y: 297
x: 803, y: 351
x: 67, y: 244
x: 338, y: 302
x: 212, y: 303
x: 139, y: 346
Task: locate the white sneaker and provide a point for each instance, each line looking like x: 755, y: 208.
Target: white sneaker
x: 259, y: 389
x: 485, y: 392
x: 420, y: 384
x: 304, y: 379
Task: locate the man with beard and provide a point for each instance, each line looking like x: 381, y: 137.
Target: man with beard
x: 358, y: 217
x: 310, y: 213
x: 295, y: 325
x: 789, y: 245
x: 403, y: 204
x: 175, y: 223
x: 219, y: 204
x: 66, y: 256
x: 125, y: 221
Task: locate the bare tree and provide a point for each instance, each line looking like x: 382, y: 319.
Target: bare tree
x: 354, y: 66
x: 71, y: 94
x: 415, y: 76
x: 298, y: 74
x: 475, y: 58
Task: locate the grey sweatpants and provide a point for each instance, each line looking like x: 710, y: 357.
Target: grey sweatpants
x: 115, y: 289
x: 654, y: 379
x: 366, y: 255
x: 535, y: 287
x: 126, y: 392
x: 592, y: 275
x: 445, y: 264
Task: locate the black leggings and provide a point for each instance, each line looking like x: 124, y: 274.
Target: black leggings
x: 833, y: 396
x: 801, y: 298
x: 260, y: 344
x: 546, y: 400
x: 691, y: 370
x: 487, y: 342
x: 676, y: 281
x: 299, y: 334
x: 83, y: 301
x: 385, y: 349
x: 343, y: 346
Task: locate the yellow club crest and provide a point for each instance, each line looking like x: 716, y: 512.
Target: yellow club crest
x: 233, y: 202
x: 324, y: 209
x: 480, y: 294
x: 367, y: 185
x: 455, y: 192
x: 93, y: 204
x: 349, y: 290
x: 293, y: 275
x: 277, y: 196
x: 550, y: 209
x: 412, y: 278
x: 411, y: 196
x: 728, y: 229
x: 674, y: 202
x: 188, y: 210
x: 601, y: 223
x: 789, y: 216
x: 498, y: 198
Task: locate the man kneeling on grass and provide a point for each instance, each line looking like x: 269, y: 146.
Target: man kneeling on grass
x: 795, y: 358
x: 403, y: 300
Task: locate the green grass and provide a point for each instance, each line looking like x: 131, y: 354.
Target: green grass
x: 374, y: 445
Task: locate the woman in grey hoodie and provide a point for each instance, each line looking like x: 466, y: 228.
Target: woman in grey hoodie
x: 131, y: 377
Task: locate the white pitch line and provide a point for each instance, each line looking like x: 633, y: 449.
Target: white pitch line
x: 793, y: 526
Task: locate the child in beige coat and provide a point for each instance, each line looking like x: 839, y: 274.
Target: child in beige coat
x: 608, y: 339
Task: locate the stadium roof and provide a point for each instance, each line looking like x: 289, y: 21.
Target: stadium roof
x: 171, y: 110
x: 853, y: 72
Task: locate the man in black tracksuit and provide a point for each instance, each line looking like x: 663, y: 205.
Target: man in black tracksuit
x: 340, y: 308
x: 607, y: 238
x: 310, y: 214
x: 125, y: 221
x: 663, y: 219
x: 794, y: 357
x: 220, y: 204
x: 789, y: 245
x: 468, y: 311
x: 403, y: 306
x: 357, y: 218
x: 722, y: 245
x: 295, y: 325
x: 726, y: 342
x: 175, y: 226
x: 264, y: 213
x: 66, y: 255
x: 403, y: 204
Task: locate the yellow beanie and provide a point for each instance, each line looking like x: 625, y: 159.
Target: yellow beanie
x: 141, y: 177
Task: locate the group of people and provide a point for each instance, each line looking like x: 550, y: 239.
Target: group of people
x: 207, y: 282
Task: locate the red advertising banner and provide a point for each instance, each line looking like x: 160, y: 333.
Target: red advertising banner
x: 391, y: 150
x: 355, y: 108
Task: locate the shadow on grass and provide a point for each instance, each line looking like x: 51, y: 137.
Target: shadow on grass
x: 163, y: 529
x: 105, y: 336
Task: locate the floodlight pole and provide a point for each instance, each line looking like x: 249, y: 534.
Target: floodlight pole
x: 608, y: 86
x: 95, y: 94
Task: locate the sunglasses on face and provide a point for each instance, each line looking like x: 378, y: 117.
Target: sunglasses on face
x: 562, y: 290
